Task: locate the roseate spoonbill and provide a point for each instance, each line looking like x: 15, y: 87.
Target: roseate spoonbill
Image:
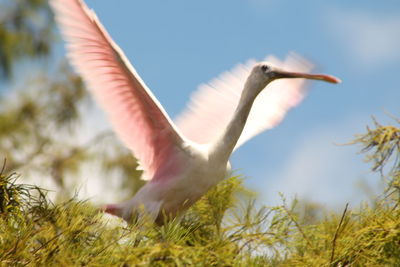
x: 183, y: 161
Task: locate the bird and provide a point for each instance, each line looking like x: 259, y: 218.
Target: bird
x: 180, y: 160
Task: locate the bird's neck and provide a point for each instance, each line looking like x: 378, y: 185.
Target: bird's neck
x: 225, y: 144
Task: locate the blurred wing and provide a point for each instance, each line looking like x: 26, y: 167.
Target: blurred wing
x: 213, y: 104
x: 136, y: 115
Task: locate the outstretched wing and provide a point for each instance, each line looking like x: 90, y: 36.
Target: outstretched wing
x: 213, y: 104
x: 136, y: 115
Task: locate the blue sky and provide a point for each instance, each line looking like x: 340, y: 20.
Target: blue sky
x: 177, y: 45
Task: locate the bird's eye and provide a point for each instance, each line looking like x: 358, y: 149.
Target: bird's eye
x: 265, y: 68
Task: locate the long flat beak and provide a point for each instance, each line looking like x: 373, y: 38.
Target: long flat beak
x: 321, y: 77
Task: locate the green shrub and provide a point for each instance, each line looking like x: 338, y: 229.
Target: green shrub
x: 225, y: 228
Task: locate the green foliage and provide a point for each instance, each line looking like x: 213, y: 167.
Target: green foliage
x: 384, y: 143
x: 74, y: 233
x: 369, y: 236
x: 30, y: 128
x: 224, y: 228
x: 25, y: 32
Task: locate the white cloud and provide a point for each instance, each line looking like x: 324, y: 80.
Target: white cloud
x: 369, y: 39
x: 318, y: 170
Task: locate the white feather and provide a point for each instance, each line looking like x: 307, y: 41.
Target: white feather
x: 213, y: 104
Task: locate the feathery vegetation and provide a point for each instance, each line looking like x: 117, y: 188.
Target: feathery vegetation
x: 225, y: 228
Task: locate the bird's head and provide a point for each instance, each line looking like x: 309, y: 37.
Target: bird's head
x: 263, y: 73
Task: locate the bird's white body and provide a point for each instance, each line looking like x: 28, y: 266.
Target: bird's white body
x: 182, y: 161
x: 175, y: 194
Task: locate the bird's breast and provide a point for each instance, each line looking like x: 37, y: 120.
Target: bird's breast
x: 183, y: 191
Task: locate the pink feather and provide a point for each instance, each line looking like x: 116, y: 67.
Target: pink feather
x: 136, y: 115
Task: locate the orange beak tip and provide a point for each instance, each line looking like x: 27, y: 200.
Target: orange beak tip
x: 332, y: 79
x: 337, y: 80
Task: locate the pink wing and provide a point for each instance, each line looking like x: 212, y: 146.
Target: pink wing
x: 213, y: 104
x: 136, y: 115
